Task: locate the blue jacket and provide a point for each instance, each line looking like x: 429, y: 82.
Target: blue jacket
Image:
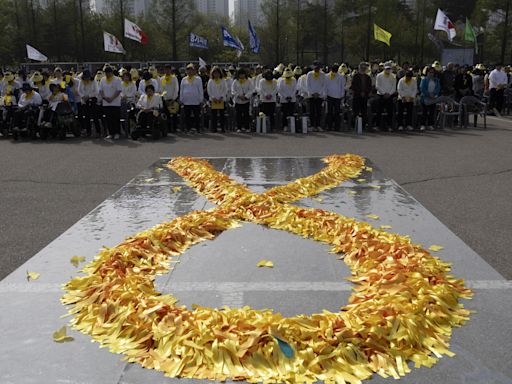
x: 424, y: 88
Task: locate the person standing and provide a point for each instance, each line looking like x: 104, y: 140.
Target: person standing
x: 88, y: 91
x: 242, y: 90
x: 268, y: 95
x: 170, y: 92
x: 407, y: 91
x: 287, y: 90
x: 361, y: 89
x: 498, y: 81
x: 191, y: 96
x: 385, y: 84
x: 430, y: 89
x: 315, y: 84
x: 217, y: 89
x: 110, y: 91
x: 335, y: 92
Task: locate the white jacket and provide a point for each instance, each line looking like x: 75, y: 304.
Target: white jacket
x: 240, y: 89
x: 33, y: 99
x: 128, y: 91
x: 407, y: 90
x: 191, y: 90
x: 302, y: 88
x: 217, y: 89
x: 87, y: 89
x: 143, y: 83
x: 335, y: 85
x: 315, y: 84
x: 170, y: 86
x: 385, y: 83
x: 287, y: 88
x: 153, y: 102
x: 268, y: 91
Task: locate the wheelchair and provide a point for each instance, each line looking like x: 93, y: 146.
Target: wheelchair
x: 28, y: 123
x: 61, y: 122
x: 150, y: 123
x: 6, y: 117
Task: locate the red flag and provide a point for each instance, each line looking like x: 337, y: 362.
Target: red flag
x: 134, y: 32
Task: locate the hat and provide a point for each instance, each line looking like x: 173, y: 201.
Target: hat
x: 287, y: 73
x: 190, y: 66
x: 297, y: 71
x: 279, y: 68
x: 122, y: 71
x: 436, y: 65
x: 57, y: 69
x: 37, y: 77
x: 26, y: 87
x: 231, y: 68
x: 388, y: 65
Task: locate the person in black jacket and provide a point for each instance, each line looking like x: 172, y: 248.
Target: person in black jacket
x: 463, y: 84
x: 361, y: 89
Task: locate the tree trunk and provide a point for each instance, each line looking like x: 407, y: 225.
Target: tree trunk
x: 174, y: 39
x: 505, y: 32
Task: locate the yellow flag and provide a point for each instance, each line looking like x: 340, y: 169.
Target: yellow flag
x: 381, y: 35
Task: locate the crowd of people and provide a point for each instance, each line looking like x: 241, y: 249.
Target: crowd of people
x: 155, y: 101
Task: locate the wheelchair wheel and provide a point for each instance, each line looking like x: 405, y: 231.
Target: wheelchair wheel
x: 155, y: 132
x: 76, y: 129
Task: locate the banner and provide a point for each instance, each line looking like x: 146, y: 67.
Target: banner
x: 229, y: 40
x: 133, y: 32
x: 197, y: 41
x: 34, y: 54
x: 381, y: 34
x: 112, y: 44
x: 443, y: 23
x: 470, y: 35
x: 254, y: 41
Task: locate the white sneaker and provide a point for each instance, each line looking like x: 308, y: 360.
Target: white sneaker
x: 422, y: 128
x: 410, y: 128
x: 430, y: 128
x: 116, y: 136
x: 109, y: 137
x: 319, y: 129
x: 400, y: 128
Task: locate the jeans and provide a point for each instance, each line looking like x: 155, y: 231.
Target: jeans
x: 315, y: 111
x: 243, y: 119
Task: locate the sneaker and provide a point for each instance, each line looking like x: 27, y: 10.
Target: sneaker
x: 319, y: 129
x: 109, y: 137
x: 238, y: 130
x: 116, y: 136
x: 375, y: 128
x: 410, y: 128
x: 422, y: 128
x: 430, y: 128
x: 400, y: 128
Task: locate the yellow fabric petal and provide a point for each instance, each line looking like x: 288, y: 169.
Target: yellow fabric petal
x: 33, y: 275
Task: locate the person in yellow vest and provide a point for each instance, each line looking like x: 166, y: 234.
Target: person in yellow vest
x: 287, y: 90
x: 170, y: 92
x: 8, y: 103
x: 268, y: 96
x: 217, y: 89
x: 28, y: 105
x: 242, y: 90
x: 10, y: 85
x: 192, y: 96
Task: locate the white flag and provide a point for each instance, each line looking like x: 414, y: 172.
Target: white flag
x: 443, y: 23
x: 34, y: 54
x: 112, y: 44
x: 202, y: 63
x: 134, y: 32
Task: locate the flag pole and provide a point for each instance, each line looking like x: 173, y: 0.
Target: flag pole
x: 369, y: 30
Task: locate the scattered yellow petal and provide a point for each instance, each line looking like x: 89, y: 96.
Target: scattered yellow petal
x: 352, y: 192
x: 435, y: 248
x: 60, y: 336
x: 372, y: 216
x: 318, y: 199
x: 368, y: 169
x: 386, y: 227
x: 158, y: 170
x: 176, y: 189
x: 33, y: 275
x: 375, y: 186
x: 361, y: 180
x: 75, y: 260
x: 265, y: 263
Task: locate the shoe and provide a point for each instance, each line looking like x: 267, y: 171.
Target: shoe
x: 320, y: 129
x: 116, y: 136
x: 430, y: 127
x: 238, y: 130
x: 109, y: 137
x: 422, y: 128
x: 410, y: 128
x: 375, y: 129
x: 400, y: 128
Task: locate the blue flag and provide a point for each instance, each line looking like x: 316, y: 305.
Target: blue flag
x: 229, y: 40
x: 253, y: 39
x: 197, y: 41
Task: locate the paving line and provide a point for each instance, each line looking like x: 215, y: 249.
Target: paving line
x: 235, y: 287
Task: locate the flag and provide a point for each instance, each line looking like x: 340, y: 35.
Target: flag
x: 34, y: 54
x: 381, y: 34
x: 229, y: 40
x: 112, y: 44
x: 254, y: 41
x: 443, y: 23
x: 202, y: 63
x: 133, y: 31
x: 470, y: 35
x: 197, y: 41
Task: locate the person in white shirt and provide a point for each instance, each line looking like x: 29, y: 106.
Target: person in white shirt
x: 335, y: 92
x: 150, y: 105
x: 218, y: 93
x: 385, y: 83
x: 57, y: 76
x: 498, y: 81
x: 88, y: 112
x: 315, y: 85
x: 192, y: 96
x: 242, y: 90
x: 170, y: 87
x: 287, y: 91
x: 267, y: 94
x: 27, y: 106
x: 110, y: 92
x: 10, y: 85
x: 40, y: 84
x: 147, y: 79
x: 407, y: 91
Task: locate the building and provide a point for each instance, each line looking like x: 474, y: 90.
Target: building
x: 247, y: 10
x: 131, y: 7
x: 213, y: 7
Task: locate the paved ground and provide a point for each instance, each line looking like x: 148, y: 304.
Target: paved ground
x: 462, y: 177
